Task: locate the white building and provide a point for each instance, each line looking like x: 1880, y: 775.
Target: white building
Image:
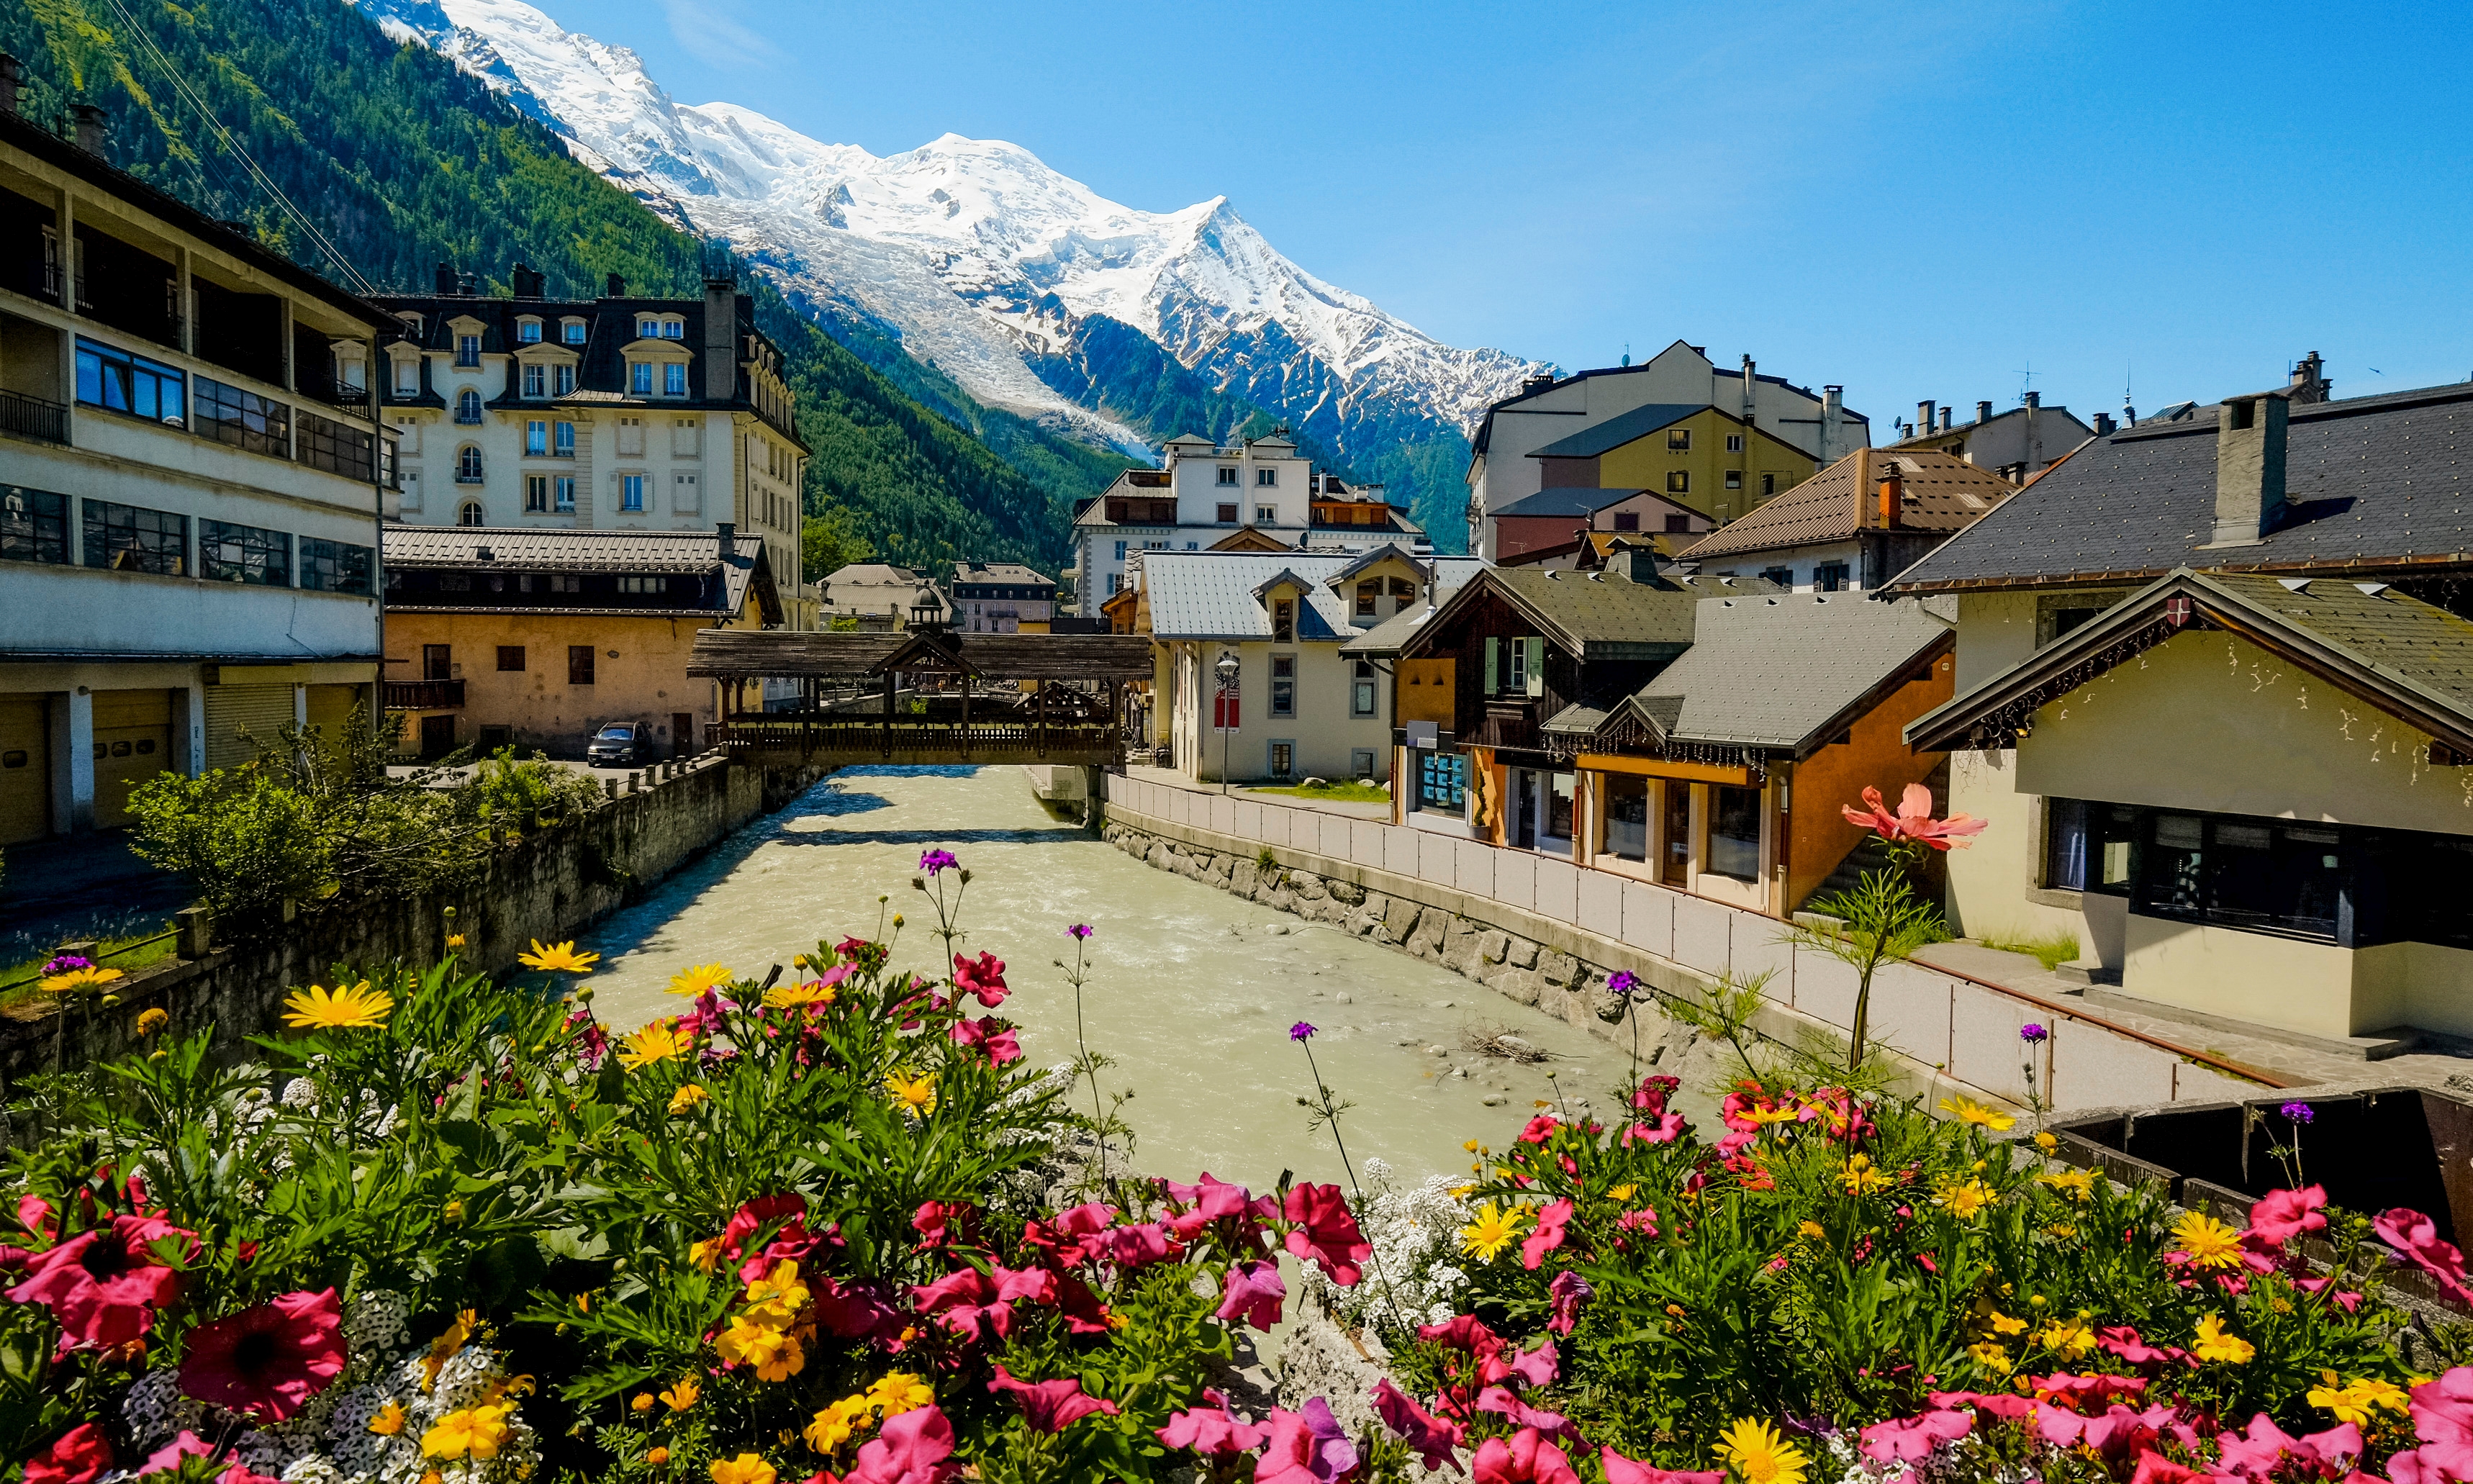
x: 1500, y: 470
x: 1259, y: 495
x: 1002, y: 597
x: 2016, y: 444
x: 190, y: 489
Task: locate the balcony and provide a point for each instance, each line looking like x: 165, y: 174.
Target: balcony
x: 1511, y: 723
x: 468, y: 479
x: 469, y: 420
x: 34, y: 416
x: 424, y: 695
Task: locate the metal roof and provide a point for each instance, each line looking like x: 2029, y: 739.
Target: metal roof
x: 1942, y: 493
x: 744, y: 653
x: 524, y: 549
x: 1576, y: 500
x: 1788, y: 671
x: 1212, y: 594
x: 1621, y: 429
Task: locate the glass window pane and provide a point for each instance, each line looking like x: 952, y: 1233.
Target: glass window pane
x: 1626, y: 799
x: 1735, y: 833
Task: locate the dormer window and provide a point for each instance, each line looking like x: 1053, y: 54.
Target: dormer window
x: 648, y: 329
x: 528, y: 332
x: 468, y: 406
x: 674, y: 379
x: 468, y: 349
x: 536, y: 380
x: 574, y: 332
x: 674, y: 329
x: 564, y: 380
x: 639, y: 377
x: 1283, y: 620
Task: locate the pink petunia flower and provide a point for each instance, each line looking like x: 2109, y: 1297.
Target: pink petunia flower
x: 1211, y: 1429
x: 1913, y: 1438
x: 268, y: 1361
x: 104, y: 1287
x: 1326, y: 1233
x: 912, y: 1448
x: 2415, y: 1239
x: 1050, y: 1406
x: 1529, y: 1457
x: 77, y: 1456
x: 1570, y: 1293
x: 1624, y: 1470
x: 1547, y: 1235
x: 1433, y: 1439
x: 1253, y: 1292
x: 1306, y: 1446
x: 983, y: 976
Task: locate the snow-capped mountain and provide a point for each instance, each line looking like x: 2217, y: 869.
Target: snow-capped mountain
x: 984, y: 262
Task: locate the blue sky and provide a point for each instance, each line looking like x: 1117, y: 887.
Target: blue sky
x: 1914, y: 201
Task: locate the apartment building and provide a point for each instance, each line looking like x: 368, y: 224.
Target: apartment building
x: 1256, y: 495
x: 1856, y: 524
x: 1002, y: 597
x: 191, y: 484
x: 2016, y: 444
x: 619, y: 413
x: 1551, y: 410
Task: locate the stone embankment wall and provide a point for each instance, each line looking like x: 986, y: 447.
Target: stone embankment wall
x: 549, y: 887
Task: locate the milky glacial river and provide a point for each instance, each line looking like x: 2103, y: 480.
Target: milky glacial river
x: 1192, y: 991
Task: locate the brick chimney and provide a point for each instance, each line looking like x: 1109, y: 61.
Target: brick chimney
x: 728, y: 541
x: 2250, y: 467
x: 2309, y: 383
x: 613, y: 287
x: 1983, y: 412
x: 720, y: 339
x: 91, y: 121
x: 12, y: 76
x: 1893, y: 494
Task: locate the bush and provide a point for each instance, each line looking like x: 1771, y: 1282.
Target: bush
x: 248, y: 842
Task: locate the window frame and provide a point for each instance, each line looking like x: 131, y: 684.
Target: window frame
x: 263, y: 559
x: 336, y: 567
x: 1719, y: 796
x: 536, y: 381
x: 138, y: 380
x: 579, y: 664
x: 34, y: 525
x: 516, y: 651
x: 1364, y: 690
x: 238, y: 418
x: 159, y: 541
x: 1284, y: 687
x: 630, y: 494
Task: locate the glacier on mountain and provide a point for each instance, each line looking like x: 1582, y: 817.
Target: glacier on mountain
x: 985, y: 263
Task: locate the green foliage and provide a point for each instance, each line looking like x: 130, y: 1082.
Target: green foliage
x: 245, y: 839
x: 507, y: 795
x: 1881, y: 920
x: 2052, y: 947
x: 830, y: 542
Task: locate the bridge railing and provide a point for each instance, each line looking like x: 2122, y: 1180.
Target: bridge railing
x: 844, y: 733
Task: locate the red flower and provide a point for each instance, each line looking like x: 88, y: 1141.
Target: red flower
x: 2415, y: 1239
x: 2154, y: 1468
x: 1307, y: 1447
x: 1540, y: 1128
x: 963, y: 1300
x: 1914, y: 820
x: 1050, y: 1406
x: 103, y: 1286
x: 1548, y: 1235
x: 1462, y: 1331
x: 984, y: 978
x: 990, y: 1035
x: 1427, y: 1436
x: 267, y: 1361
x: 788, y: 1208
x: 2122, y: 1340
x: 1528, y: 1458
x: 1326, y: 1233
x: 1211, y: 1429
x: 1624, y: 1471
x: 1252, y: 1292
x: 1569, y: 1293
x: 912, y: 1448
x: 75, y: 1457
x: 934, y: 1220
x: 188, y: 1444
x: 1214, y: 1200
x: 1140, y: 1246
x: 850, y: 1312
x: 1913, y: 1438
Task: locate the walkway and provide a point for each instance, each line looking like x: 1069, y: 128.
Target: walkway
x: 1169, y: 778
x: 78, y: 888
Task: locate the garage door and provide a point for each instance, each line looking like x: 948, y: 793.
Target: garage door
x: 263, y: 711
x: 25, y: 771
x: 133, y: 742
x: 330, y: 711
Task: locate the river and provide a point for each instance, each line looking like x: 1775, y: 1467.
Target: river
x: 1191, y: 990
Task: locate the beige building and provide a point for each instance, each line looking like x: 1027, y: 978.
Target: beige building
x: 190, y: 489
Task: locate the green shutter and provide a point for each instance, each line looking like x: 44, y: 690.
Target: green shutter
x: 1493, y: 648
x: 1536, y: 666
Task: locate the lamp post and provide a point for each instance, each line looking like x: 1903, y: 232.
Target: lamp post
x: 1227, y: 668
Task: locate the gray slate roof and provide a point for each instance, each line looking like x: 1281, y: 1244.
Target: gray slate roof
x: 2381, y: 481
x: 1211, y: 594
x: 1618, y: 430
x: 1600, y: 616
x: 1573, y: 501
x: 1785, y: 670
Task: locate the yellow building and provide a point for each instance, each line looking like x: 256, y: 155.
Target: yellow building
x: 537, y: 639
x: 1702, y: 457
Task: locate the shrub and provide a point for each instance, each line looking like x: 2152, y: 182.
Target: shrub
x: 247, y: 841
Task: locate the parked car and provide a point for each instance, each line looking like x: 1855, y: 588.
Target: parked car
x: 618, y: 745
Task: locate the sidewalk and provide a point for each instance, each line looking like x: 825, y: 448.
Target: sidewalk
x: 81, y: 887
x: 1169, y: 777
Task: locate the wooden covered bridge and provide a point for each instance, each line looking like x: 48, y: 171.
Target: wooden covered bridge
x: 930, y: 695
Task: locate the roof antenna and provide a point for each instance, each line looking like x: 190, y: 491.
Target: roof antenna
x: 2028, y: 383
x: 2129, y: 413
x: 1627, y: 360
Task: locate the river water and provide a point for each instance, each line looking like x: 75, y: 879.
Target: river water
x: 1191, y: 990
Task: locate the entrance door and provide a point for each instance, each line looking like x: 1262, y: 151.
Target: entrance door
x: 133, y: 742
x: 25, y: 771
x: 437, y: 662
x: 1675, y: 835
x: 1523, y: 826
x: 682, y: 734
x: 436, y: 737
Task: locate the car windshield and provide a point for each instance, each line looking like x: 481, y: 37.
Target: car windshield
x: 615, y: 732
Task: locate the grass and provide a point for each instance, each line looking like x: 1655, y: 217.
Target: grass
x: 17, y: 980
x: 2051, y: 947
x: 1342, y: 793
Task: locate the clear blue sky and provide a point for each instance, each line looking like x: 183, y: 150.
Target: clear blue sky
x: 1911, y: 199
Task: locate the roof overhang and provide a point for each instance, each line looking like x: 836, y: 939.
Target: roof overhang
x: 1998, y: 713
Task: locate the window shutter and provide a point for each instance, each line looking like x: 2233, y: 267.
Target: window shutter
x: 1492, y: 663
x: 1536, y: 666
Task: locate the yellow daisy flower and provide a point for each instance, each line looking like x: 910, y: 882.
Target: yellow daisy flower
x: 2214, y: 1343
x: 1991, y: 1356
x: 687, y: 1097
x: 2354, y: 1404
x: 347, y: 1008
x: 388, y: 1421
x: 1965, y: 1201
x: 1494, y: 1228
x: 1966, y: 1110
x: 701, y: 979
x: 745, y: 1468
x: 563, y: 959
x: 1860, y: 1177
x: 1759, y: 1455
x: 774, y: 1354
x: 77, y: 979
x: 897, y: 1393
x: 2209, y: 1242
x: 913, y: 1095
x: 775, y: 1297
x: 790, y: 996
x: 682, y: 1395
x: 655, y: 1042
x: 2066, y: 1337
x: 2077, y: 1184
x: 474, y: 1431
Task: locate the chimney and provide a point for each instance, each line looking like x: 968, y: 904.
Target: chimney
x: 1925, y: 422
x: 1632, y: 563
x: 720, y: 339
x: 91, y: 121
x: 445, y: 280
x: 2309, y: 383
x: 728, y: 541
x: 616, y: 288
x: 527, y: 283
x: 468, y: 284
x: 1833, y: 417
x: 1982, y: 413
x: 2103, y: 424
x: 1748, y: 384
x: 2250, y: 467
x: 1893, y: 494
x: 12, y: 76
x: 2035, y: 398
x: 1947, y: 414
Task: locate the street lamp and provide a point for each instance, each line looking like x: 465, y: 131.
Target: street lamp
x: 1227, y: 668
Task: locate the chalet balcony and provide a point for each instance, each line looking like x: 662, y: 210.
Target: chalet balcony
x: 1510, y: 723
x: 34, y: 416
x: 424, y: 695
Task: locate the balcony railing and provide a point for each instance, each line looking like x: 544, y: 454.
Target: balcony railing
x: 471, y: 419
x: 468, y: 479
x: 1511, y: 723
x: 424, y: 695
x: 33, y: 416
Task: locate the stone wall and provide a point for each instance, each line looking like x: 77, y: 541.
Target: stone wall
x: 549, y: 887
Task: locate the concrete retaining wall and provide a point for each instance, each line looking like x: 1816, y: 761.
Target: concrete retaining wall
x: 1546, y: 933
x: 548, y: 887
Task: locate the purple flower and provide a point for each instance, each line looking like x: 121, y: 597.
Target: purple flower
x: 934, y: 861
x: 1621, y: 980
x: 67, y: 963
x: 1080, y: 930
x: 2032, y: 1034
x: 2299, y: 1113
x: 1300, y: 1031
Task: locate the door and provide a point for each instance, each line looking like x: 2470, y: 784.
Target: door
x: 682, y: 734
x: 1524, y: 786
x: 133, y: 742
x: 437, y: 736
x: 437, y: 662
x: 25, y: 771
x: 238, y: 717
x: 1675, y: 835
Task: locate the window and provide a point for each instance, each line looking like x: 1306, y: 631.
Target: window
x: 1284, y: 759
x: 1829, y: 577
x: 1734, y: 479
x: 562, y: 439
x: 132, y: 538
x: 437, y: 662
x: 1561, y: 799
x: 334, y: 566
x: 579, y: 664
x: 1678, y: 440
x: 641, y: 378
x: 687, y: 497
x: 1366, y: 593
x: 1627, y: 520
x: 1783, y: 576
x: 330, y: 445
x: 1515, y: 667
x: 631, y: 491
x: 1678, y: 482
x: 511, y: 658
x: 1361, y: 762
x: 468, y: 406
x: 2260, y: 875
x: 630, y: 436
x: 1734, y: 833
x: 1267, y: 478
x: 116, y: 379
x: 470, y: 514
x: 34, y: 525
x: 1283, y: 685
x: 407, y: 375
x: 674, y: 379
x: 242, y: 420
x: 564, y: 380
x: 1734, y: 443
x: 1678, y: 523
x: 1404, y: 589
x: 563, y: 493
x: 467, y: 465
x: 2086, y: 846
x: 574, y: 333
x: 1227, y: 514
x: 1266, y: 514
x: 643, y: 586
x: 1120, y: 551
x: 537, y: 494
x: 648, y: 329
x: 1115, y: 583
x: 1442, y: 783
x: 1626, y: 803
x: 528, y: 332
x: 1768, y: 485
x: 1283, y: 620
x: 1360, y: 690
x: 536, y: 380
x: 228, y: 553
x: 1226, y: 474
x: 536, y: 437
x: 674, y: 329
x: 468, y: 349
x: 686, y: 436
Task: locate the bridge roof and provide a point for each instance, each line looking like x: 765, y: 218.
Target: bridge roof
x: 749, y: 654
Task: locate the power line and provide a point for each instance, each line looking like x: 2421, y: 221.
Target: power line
x: 249, y: 163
